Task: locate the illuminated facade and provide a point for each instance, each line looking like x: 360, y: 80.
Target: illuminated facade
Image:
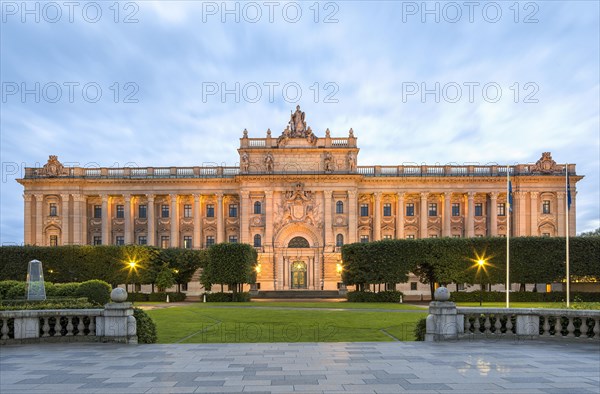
x: 297, y: 198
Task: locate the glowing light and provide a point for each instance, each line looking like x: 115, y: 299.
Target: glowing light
x: 338, y: 268
x: 481, y: 262
x: 258, y: 269
x: 132, y: 264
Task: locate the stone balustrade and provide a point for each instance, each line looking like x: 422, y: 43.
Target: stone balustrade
x: 114, y: 323
x: 448, y: 322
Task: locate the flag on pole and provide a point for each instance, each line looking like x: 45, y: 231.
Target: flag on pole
x: 510, y: 197
x: 568, y: 191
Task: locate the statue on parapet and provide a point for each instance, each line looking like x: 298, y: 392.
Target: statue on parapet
x: 297, y: 123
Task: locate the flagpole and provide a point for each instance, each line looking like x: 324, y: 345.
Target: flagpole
x: 568, y: 278
x: 508, y: 237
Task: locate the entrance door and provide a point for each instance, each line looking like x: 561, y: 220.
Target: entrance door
x: 298, y: 272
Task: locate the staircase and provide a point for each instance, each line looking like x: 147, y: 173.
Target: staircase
x: 299, y: 294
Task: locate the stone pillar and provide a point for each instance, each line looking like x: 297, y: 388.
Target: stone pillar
x: 84, y: 224
x: 520, y: 228
x: 423, y: 216
x: 327, y: 219
x: 447, y: 229
x: 533, y: 229
x: 106, y: 219
x: 197, y: 240
x: 220, y: 224
x: 174, y: 221
x: 151, y: 221
x: 493, y: 214
x: 117, y: 323
x: 65, y: 214
x: 470, y: 214
x: 377, y: 217
x: 560, y: 217
x: 443, y: 322
x: 244, y: 217
x: 268, y: 242
x: 39, y: 219
x: 400, y: 216
x: 28, y: 230
x: 127, y: 218
x: 352, y: 216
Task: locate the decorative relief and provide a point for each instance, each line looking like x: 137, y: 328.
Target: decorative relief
x: 298, y: 205
x: 269, y: 163
x: 232, y: 221
x: 256, y: 221
x: 545, y: 164
x: 339, y: 220
x: 53, y: 168
x: 209, y: 222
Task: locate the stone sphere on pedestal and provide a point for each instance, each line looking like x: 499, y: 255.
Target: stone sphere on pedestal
x: 441, y: 294
x: 118, y: 295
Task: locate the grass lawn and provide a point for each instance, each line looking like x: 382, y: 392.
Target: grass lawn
x: 240, y: 322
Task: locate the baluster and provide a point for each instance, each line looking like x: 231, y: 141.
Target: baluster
x: 509, y: 325
x: 4, y: 330
x: 80, y: 326
x: 69, y: 326
x: 476, y: 325
x: 558, y: 327
x: 570, y: 328
x: 92, y: 326
x: 583, y: 329
x: 46, y: 327
x: 546, y: 326
x: 597, y: 329
x: 498, y: 325
x: 467, y: 324
x: 487, y: 325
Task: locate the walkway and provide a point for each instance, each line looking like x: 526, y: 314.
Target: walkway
x: 384, y: 367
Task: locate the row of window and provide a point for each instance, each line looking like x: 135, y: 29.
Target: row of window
x: 164, y: 211
x: 433, y: 209
x: 164, y: 240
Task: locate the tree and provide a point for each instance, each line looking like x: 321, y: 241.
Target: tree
x: 230, y: 263
x: 592, y: 233
x: 165, y: 278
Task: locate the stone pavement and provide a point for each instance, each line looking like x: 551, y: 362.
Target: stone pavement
x: 382, y: 367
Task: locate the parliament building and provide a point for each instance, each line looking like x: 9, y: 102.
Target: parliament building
x: 297, y: 198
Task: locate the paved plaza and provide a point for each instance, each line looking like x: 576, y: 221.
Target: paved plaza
x: 382, y: 367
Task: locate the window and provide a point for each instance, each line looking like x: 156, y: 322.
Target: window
x: 364, y: 238
x: 187, y: 211
x: 478, y: 209
x: 233, y: 210
x: 501, y: 209
x: 187, y: 242
x: 233, y: 239
x: 138, y: 287
x: 142, y: 211
x: 53, y: 210
x: 164, y: 241
x: 364, y: 209
x: 97, y: 211
x: 456, y: 236
x: 432, y: 209
x: 97, y: 240
x: 339, y: 207
x: 257, y: 208
x: 339, y: 240
x: 210, y: 210
x: 164, y: 211
x: 54, y: 240
x: 455, y: 209
x: 410, y: 236
x: 119, y: 240
x: 120, y: 211
x: 410, y: 209
x: 433, y: 236
x: 546, y: 207
x: 257, y: 240
x: 184, y: 287
x: 460, y: 286
x: 479, y: 236
x: 210, y: 240
x: 387, y: 209
x: 142, y: 240
x: 545, y: 234
x: 413, y: 285
x: 387, y: 236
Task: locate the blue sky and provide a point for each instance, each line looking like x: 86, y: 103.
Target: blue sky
x: 538, y: 61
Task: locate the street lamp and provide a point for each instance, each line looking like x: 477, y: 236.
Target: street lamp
x: 132, y: 265
x: 480, y: 266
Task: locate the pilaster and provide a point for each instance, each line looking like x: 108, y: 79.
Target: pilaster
x: 447, y: 214
x: 423, y: 216
x: 151, y: 221
x: 106, y: 219
x: 174, y: 221
x: 400, y: 216
x: 220, y: 224
x: 470, y: 214
x: 533, y: 211
x: 28, y: 230
x: 493, y: 214
x: 197, y: 240
x: 377, y: 217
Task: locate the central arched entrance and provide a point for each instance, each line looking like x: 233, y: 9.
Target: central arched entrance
x: 298, y: 258
x: 298, y: 275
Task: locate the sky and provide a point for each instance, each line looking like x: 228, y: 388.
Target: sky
x: 174, y: 83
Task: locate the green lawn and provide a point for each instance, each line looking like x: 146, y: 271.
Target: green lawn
x: 231, y: 323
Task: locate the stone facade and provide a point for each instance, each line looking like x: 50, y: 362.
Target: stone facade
x: 297, y: 198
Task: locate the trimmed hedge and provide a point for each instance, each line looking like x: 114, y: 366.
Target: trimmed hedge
x: 227, y: 297
x: 366, y: 296
x: 146, y: 329
x: 156, y: 297
x: 96, y: 291
x: 73, y: 303
x: 421, y: 329
x: 522, y: 296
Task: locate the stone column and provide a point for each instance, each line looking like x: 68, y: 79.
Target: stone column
x: 77, y: 219
x: 39, y: 219
x: 327, y: 218
x: 174, y: 221
x: 127, y: 218
x: 220, y: 223
x: 197, y: 240
x: 28, y: 230
x: 150, y: 214
x: 400, y: 216
x: 423, y: 216
x: 520, y: 228
x: 84, y: 224
x: 352, y: 216
x: 244, y: 217
x: 106, y: 219
x: 560, y: 217
x: 447, y: 229
x: 470, y: 214
x: 533, y: 229
x: 377, y: 217
x: 65, y: 238
x: 268, y: 242
x: 493, y: 214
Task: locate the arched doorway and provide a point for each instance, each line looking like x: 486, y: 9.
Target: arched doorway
x: 298, y: 275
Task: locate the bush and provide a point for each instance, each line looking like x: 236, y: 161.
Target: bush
x: 6, y: 286
x: 162, y: 297
x: 18, y: 290
x: 66, y: 289
x: 366, y: 296
x: 146, y: 329
x: 227, y: 297
x: 421, y: 329
x: 140, y: 297
x: 64, y: 303
x: 96, y: 291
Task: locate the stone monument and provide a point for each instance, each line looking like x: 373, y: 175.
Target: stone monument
x: 36, y: 291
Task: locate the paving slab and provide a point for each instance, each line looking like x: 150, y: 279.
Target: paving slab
x: 416, y: 367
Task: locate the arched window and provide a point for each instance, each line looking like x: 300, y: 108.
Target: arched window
x: 339, y: 207
x: 257, y: 208
x: 339, y: 240
x: 298, y: 242
x: 257, y: 241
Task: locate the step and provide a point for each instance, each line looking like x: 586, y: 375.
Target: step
x: 307, y: 294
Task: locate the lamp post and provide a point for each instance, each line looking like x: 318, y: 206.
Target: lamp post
x: 481, y: 264
x: 132, y: 265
